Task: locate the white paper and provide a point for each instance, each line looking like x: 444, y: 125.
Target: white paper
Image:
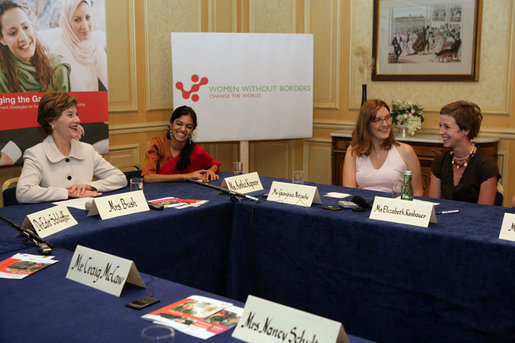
x: 49, y: 221
x: 288, y: 324
x: 244, y: 183
x: 508, y: 227
x: 105, y: 272
x: 118, y: 205
x: 417, y: 213
x: 79, y: 203
x: 336, y: 195
x: 293, y: 194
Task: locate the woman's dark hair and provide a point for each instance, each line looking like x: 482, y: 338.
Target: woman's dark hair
x: 361, y: 142
x: 466, y: 114
x: 45, y: 71
x: 184, y: 160
x: 51, y: 106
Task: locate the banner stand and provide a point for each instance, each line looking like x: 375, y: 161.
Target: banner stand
x: 244, y: 155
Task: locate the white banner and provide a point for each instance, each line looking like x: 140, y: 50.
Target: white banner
x: 245, y: 86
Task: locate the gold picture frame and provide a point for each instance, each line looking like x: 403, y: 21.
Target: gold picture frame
x: 426, y: 40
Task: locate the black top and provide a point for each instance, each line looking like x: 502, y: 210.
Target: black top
x: 481, y: 167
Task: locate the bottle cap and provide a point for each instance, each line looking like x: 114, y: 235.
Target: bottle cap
x: 407, y: 172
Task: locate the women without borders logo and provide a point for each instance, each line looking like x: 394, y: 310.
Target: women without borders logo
x: 194, y: 88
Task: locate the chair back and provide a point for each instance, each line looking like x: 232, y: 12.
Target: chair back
x: 499, y: 195
x: 9, y: 192
x: 132, y: 171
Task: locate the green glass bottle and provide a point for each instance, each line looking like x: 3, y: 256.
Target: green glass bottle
x: 407, y: 188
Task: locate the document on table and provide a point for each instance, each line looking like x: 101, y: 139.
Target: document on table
x: 79, y: 203
x: 336, y: 195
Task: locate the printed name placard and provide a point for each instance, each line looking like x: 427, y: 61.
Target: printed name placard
x: 294, y: 194
x: 268, y: 322
x: 119, y: 205
x: 508, y: 227
x: 105, y: 272
x: 49, y: 221
x: 418, y: 213
x: 245, y: 183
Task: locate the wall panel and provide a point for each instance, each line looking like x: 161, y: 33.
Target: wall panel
x: 162, y: 18
x: 121, y: 55
x: 325, y: 26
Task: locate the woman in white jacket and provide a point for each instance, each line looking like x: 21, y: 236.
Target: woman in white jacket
x: 61, y: 166
x: 82, y: 48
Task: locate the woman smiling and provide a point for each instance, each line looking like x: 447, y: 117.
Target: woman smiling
x: 176, y: 157
x: 82, y: 47
x: 374, y: 159
x: 464, y: 172
x: 24, y: 62
x: 61, y: 167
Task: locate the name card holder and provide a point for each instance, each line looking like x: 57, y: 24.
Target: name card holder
x: 293, y: 194
x: 268, y: 322
x: 417, y: 213
x: 244, y: 183
x: 49, y: 221
x: 508, y: 227
x: 105, y: 272
x: 118, y: 205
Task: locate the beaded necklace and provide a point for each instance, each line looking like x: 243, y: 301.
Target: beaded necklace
x: 467, y: 158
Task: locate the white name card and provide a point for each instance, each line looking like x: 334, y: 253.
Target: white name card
x: 508, y: 227
x: 268, y: 322
x: 244, y: 183
x: 49, y: 221
x: 418, y: 213
x: 118, y: 205
x: 293, y: 194
x: 105, y: 272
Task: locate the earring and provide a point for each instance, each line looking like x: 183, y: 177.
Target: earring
x: 169, y: 134
x: 52, y: 126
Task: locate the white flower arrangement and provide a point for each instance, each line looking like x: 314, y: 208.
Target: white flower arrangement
x: 408, y: 115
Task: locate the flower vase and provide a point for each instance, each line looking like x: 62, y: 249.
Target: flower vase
x: 402, y: 130
x: 363, y: 93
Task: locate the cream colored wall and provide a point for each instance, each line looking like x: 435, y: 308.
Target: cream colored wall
x: 140, y: 83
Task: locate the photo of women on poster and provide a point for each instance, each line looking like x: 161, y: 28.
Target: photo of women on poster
x: 51, y: 45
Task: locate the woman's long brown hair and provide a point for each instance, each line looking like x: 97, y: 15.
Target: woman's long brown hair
x: 361, y: 142
x: 44, y: 70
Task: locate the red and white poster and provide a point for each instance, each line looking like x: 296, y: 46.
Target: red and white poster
x: 45, y: 46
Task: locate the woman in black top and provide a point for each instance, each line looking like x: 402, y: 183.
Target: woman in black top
x: 464, y: 172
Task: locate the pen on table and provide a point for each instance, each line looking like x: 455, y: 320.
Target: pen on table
x: 448, y: 212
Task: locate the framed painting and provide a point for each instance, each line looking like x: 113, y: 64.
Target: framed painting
x: 426, y: 40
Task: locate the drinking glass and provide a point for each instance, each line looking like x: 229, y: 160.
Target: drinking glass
x: 297, y: 176
x: 136, y: 184
x: 237, y: 168
x: 158, y: 333
x: 396, y: 189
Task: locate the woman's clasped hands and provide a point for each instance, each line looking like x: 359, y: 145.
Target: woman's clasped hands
x: 82, y: 191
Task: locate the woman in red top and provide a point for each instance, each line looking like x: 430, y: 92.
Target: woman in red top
x: 176, y: 157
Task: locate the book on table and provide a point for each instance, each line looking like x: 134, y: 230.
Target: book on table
x: 177, y: 203
x: 198, y: 316
x: 20, y: 266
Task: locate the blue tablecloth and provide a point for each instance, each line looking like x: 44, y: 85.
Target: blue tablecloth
x: 168, y: 243
x: 389, y: 282
x: 47, y: 307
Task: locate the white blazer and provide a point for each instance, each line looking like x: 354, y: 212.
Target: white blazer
x: 47, y: 172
